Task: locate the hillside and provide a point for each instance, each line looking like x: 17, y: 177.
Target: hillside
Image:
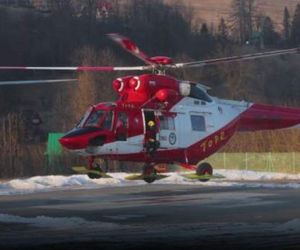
x: 210, y: 11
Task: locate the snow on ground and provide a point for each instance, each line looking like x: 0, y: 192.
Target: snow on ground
x: 235, y: 178
x: 52, y: 182
x: 247, y: 175
x: 241, y: 178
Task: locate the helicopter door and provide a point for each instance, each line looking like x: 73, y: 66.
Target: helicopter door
x: 124, y: 144
x: 167, y: 132
x: 149, y: 120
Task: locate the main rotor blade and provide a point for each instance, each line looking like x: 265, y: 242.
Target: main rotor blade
x: 80, y: 68
x: 235, y: 58
x: 36, y: 81
x: 129, y: 46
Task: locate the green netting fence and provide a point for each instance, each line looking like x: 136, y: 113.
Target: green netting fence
x: 288, y: 162
x: 58, y: 161
x: 54, y: 150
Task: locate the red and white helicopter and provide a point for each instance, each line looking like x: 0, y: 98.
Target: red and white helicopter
x: 160, y: 119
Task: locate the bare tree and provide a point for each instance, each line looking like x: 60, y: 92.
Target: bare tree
x: 242, y: 19
x: 10, y: 153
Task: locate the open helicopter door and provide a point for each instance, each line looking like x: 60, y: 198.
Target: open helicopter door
x: 150, y: 124
x: 124, y: 143
x: 164, y: 131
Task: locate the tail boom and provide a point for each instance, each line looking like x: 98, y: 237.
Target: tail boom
x: 266, y: 117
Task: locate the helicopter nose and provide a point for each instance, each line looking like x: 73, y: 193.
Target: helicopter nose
x: 78, y: 138
x: 73, y: 143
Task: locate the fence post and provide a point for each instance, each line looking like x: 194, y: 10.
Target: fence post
x: 224, y: 160
x: 294, y: 161
x: 271, y: 167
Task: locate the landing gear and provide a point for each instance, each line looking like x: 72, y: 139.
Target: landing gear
x: 98, y: 171
x: 151, y: 147
x: 93, y: 176
x: 204, y: 169
x: 149, y: 173
x: 94, y: 170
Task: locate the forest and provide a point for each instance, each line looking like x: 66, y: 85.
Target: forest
x: 73, y: 33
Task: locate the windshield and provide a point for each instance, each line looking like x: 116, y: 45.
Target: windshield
x: 107, y: 121
x: 99, y: 118
x: 84, y: 117
x: 94, y: 118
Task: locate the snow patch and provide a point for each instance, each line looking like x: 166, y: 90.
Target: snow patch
x: 247, y: 175
x: 241, y: 178
x: 233, y: 178
x: 52, y: 182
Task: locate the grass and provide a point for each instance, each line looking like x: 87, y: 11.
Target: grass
x: 288, y: 162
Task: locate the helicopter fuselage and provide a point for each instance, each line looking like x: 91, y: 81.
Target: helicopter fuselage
x: 190, y: 125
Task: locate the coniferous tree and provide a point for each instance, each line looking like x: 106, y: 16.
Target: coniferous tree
x: 222, y: 29
x: 269, y: 35
x: 286, y: 25
x: 204, y: 29
x: 222, y: 33
x: 295, y: 30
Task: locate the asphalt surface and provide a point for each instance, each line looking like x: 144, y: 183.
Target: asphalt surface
x: 152, y: 217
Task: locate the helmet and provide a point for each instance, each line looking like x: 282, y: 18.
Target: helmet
x: 151, y: 123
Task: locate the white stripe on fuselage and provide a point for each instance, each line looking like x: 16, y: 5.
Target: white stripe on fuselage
x: 132, y: 145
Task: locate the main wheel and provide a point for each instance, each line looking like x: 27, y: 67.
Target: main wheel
x: 93, y: 176
x: 204, y: 169
x: 149, y: 173
x: 101, y: 168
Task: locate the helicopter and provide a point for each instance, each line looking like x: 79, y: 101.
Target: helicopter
x: 160, y: 119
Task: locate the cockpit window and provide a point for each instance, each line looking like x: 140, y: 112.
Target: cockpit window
x: 83, y: 118
x: 94, y: 118
x: 100, y: 118
x: 108, y: 121
x: 198, y: 93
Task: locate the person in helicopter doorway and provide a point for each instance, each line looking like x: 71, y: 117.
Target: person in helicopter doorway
x: 151, y: 144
